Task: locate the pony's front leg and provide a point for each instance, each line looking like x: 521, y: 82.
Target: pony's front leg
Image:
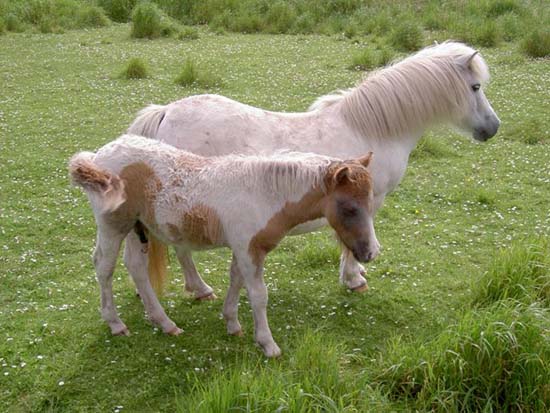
x: 194, y: 284
x: 105, y: 256
x: 352, y: 272
x: 137, y: 263
x: 231, y: 304
x: 252, y: 273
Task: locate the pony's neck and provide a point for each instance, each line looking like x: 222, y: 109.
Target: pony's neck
x: 405, y: 99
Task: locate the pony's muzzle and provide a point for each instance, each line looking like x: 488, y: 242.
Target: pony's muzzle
x: 487, y: 131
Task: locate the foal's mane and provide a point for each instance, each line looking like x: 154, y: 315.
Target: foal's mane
x: 286, y: 173
x: 423, y: 88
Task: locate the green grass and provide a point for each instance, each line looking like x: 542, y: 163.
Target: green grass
x: 459, y: 204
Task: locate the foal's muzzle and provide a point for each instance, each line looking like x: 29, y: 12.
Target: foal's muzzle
x: 362, y: 252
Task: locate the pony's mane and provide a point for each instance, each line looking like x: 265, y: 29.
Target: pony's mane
x: 286, y: 173
x: 426, y: 87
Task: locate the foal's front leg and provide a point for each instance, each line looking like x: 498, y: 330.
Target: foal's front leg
x: 231, y: 304
x: 105, y: 256
x: 252, y: 274
x: 137, y: 263
x: 352, y: 272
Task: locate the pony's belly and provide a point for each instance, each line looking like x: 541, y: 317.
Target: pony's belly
x: 309, y: 226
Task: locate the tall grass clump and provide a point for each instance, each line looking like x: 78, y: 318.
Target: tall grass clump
x: 118, y: 10
x: 135, y: 69
x: 407, y: 36
x: 310, y: 380
x: 493, y: 360
x: 521, y: 273
x: 190, y: 75
x: 369, y: 58
x: 537, y: 43
x: 92, y: 16
x: 487, y: 34
x: 146, y: 21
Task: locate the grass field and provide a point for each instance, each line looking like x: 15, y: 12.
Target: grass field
x: 462, y: 211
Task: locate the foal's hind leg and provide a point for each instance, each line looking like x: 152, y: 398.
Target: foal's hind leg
x: 105, y: 255
x: 193, y: 281
x: 137, y: 263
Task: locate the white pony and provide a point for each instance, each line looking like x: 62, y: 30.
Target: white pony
x: 191, y: 202
x: 387, y: 114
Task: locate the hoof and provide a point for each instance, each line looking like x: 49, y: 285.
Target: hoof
x: 272, y: 351
x: 208, y: 297
x: 121, y: 331
x: 174, y: 331
x: 361, y: 289
x: 238, y: 333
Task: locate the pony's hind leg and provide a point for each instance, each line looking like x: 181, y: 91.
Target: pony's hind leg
x: 231, y: 304
x: 136, y: 262
x: 105, y: 256
x: 194, y: 284
x: 351, y: 272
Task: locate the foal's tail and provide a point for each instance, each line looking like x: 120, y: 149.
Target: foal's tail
x: 158, y: 257
x: 104, y: 189
x: 148, y: 121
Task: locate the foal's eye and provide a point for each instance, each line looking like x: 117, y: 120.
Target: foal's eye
x: 476, y: 87
x: 349, y: 212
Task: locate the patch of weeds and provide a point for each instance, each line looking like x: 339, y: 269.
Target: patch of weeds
x: 14, y: 23
x: 510, y: 27
x: 280, y: 17
x: 407, y: 36
x: 487, y: 34
x: 486, y: 198
x: 493, y: 360
x: 92, y: 16
x: 537, y: 43
x: 146, y: 21
x: 135, y: 69
x: 118, y: 10
x: 190, y: 75
x: 497, y: 8
x: 188, y: 33
x: 369, y: 58
x: 2, y: 25
x: 521, y: 273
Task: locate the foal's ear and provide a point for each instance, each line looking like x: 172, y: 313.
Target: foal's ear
x: 341, y: 175
x: 365, y: 160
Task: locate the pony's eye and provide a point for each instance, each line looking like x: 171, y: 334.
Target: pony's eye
x: 476, y: 87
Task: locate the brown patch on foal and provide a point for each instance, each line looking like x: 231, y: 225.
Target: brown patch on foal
x: 293, y: 213
x: 141, y: 186
x: 200, y: 226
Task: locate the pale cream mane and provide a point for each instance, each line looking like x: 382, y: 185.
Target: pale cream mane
x: 424, y: 88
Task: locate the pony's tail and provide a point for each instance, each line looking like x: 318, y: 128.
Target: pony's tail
x: 148, y: 121
x: 104, y: 189
x: 158, y: 257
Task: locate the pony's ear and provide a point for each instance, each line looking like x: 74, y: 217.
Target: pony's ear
x: 468, y: 61
x: 341, y: 175
x: 365, y: 160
